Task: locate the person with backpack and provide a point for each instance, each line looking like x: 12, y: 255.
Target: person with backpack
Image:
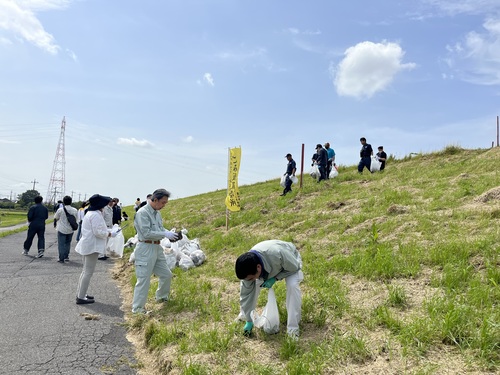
x: 64, y: 229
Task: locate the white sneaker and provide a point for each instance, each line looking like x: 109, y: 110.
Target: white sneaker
x: 293, y: 335
x: 25, y: 252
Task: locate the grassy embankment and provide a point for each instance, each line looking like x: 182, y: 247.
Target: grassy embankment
x: 401, y: 272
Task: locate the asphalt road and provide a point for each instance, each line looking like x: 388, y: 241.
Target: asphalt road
x: 42, y: 330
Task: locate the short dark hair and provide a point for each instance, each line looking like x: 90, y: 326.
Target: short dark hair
x: 380, y: 147
x: 246, y: 265
x: 38, y: 199
x: 362, y: 139
x: 67, y: 200
x: 159, y: 194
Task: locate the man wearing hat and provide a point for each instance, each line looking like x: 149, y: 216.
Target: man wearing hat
x: 322, y: 161
x: 92, y: 242
x: 149, y: 256
x: 290, y: 171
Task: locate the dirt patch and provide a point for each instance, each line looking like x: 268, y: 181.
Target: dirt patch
x: 490, y: 195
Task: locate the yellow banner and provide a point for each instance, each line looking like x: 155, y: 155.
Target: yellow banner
x: 233, y: 194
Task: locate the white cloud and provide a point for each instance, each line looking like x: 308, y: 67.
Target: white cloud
x: 134, y: 142
x: 207, y: 77
x: 72, y: 55
x: 453, y: 7
x: 295, y: 31
x: 18, y: 17
x: 368, y: 68
x: 188, y: 139
x: 476, y: 59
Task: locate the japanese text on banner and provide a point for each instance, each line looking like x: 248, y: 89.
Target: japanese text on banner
x: 233, y: 194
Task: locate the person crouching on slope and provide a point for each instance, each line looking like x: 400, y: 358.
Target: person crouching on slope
x: 270, y: 261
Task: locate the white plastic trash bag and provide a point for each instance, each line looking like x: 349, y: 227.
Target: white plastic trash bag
x: 116, y: 244
x: 269, y: 320
x: 198, y: 257
x: 314, y: 171
x: 171, y: 259
x: 283, y: 181
x: 333, y: 173
x: 185, y: 262
x: 375, y: 164
x: 294, y: 179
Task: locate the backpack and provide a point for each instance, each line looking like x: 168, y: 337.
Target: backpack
x: 71, y: 220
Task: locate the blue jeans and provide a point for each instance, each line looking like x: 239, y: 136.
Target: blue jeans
x: 64, y: 244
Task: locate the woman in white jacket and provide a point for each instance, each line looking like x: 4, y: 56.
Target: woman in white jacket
x: 91, y: 244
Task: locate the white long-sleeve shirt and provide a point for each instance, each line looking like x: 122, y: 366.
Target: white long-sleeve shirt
x: 94, y: 234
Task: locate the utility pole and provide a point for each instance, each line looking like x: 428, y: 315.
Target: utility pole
x: 34, y: 182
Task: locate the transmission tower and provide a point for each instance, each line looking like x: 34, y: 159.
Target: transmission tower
x: 57, y: 185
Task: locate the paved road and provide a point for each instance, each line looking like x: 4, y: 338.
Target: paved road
x: 42, y: 330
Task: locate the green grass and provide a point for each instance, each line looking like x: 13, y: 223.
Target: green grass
x: 9, y: 218
x: 400, y: 267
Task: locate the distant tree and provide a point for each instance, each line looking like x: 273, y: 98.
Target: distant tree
x: 27, y: 198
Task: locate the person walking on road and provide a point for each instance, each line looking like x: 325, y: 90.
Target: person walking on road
x: 92, y: 243
x: 37, y: 215
x: 64, y: 230
x: 149, y: 255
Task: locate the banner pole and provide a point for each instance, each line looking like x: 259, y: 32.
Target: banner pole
x: 227, y: 192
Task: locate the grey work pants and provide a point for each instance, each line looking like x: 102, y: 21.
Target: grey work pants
x: 89, y: 263
x: 149, y: 259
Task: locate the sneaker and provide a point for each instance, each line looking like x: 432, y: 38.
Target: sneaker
x: 293, y: 335
x: 40, y: 254
x: 60, y: 261
x: 25, y: 252
x: 142, y: 312
x: 84, y: 301
x: 66, y: 259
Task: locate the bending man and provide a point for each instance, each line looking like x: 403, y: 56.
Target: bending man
x: 268, y: 262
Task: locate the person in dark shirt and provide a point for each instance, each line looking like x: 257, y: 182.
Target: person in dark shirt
x: 37, y: 215
x: 366, y: 154
x: 322, y: 161
x: 117, y: 212
x: 382, y: 157
x: 290, y: 171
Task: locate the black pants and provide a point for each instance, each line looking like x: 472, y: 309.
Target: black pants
x: 364, y: 162
x: 322, y: 172
x: 35, y: 229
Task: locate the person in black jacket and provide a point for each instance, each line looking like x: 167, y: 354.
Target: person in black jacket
x: 382, y: 157
x: 37, y: 215
x: 365, y: 154
x: 322, y: 161
x: 117, y: 212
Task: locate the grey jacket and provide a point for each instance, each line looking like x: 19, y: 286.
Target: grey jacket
x: 280, y: 259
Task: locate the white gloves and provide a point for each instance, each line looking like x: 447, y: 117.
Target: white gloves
x: 172, y: 236
x: 114, y: 231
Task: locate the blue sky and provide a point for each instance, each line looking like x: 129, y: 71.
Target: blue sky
x: 155, y: 92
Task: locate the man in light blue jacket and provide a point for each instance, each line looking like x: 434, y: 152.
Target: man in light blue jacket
x: 149, y: 256
x: 268, y: 262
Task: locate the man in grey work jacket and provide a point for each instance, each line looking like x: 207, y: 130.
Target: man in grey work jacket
x: 149, y: 256
x: 268, y: 262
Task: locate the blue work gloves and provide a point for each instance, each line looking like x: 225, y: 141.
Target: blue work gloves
x: 269, y: 283
x: 172, y: 236
x: 247, y: 330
